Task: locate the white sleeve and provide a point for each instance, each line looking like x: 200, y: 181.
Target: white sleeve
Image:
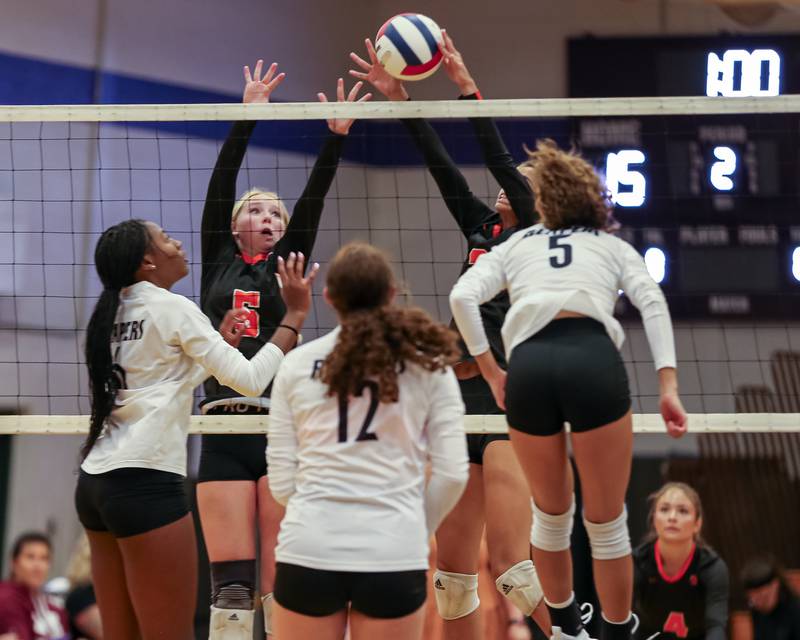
x: 191, y: 328
x: 647, y: 297
x: 482, y: 282
x: 447, y: 449
x: 282, y: 438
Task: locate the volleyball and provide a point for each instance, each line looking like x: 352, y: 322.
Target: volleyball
x: 407, y: 46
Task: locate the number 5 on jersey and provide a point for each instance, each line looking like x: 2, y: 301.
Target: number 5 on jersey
x: 250, y: 300
x: 563, y: 249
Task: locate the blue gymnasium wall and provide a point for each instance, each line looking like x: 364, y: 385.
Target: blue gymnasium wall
x: 25, y: 80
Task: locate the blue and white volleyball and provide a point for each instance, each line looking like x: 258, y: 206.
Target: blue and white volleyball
x: 408, y: 46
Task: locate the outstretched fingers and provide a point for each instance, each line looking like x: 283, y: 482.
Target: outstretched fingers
x: 257, y: 71
x: 354, y: 91
x: 312, y: 275
x: 366, y: 66
x: 371, y: 51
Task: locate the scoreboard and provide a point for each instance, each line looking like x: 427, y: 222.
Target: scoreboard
x: 713, y: 201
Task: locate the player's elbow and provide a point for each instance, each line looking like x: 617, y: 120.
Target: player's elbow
x: 460, y: 299
x: 251, y: 388
x: 455, y: 473
x: 654, y: 305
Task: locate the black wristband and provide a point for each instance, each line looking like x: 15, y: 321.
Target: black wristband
x: 291, y: 328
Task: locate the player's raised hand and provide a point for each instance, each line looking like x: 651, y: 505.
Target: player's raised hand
x: 295, y: 286
x: 374, y: 73
x: 455, y: 68
x: 342, y: 126
x: 258, y: 89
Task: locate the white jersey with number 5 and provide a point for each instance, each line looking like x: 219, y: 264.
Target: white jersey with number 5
x: 546, y: 271
x: 353, y: 475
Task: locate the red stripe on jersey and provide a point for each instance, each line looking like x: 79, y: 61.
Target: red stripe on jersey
x: 259, y: 257
x: 681, y: 572
x: 497, y: 230
x: 474, y: 254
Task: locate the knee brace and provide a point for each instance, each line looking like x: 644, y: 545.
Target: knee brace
x: 266, y: 608
x: 552, y: 532
x: 609, y: 540
x: 521, y: 585
x: 230, y: 624
x: 233, y: 584
x: 456, y: 593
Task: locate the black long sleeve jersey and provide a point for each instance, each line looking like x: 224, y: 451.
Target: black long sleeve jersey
x: 480, y: 224
x: 231, y: 280
x: 692, y: 604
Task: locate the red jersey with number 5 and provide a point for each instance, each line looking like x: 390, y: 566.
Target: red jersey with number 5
x: 231, y: 280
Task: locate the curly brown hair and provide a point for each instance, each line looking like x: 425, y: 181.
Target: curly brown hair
x: 377, y: 338
x: 568, y: 190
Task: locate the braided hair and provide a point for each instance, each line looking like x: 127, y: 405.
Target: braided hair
x: 117, y: 257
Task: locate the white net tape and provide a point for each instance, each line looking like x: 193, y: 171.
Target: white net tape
x: 530, y: 108
x: 645, y: 423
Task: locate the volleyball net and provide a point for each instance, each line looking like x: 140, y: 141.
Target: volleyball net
x: 706, y: 189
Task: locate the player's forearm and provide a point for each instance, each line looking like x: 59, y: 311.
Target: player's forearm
x: 668, y: 380
x: 487, y: 363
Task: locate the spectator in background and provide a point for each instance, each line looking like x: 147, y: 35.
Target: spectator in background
x: 680, y: 584
x: 81, y: 604
x: 774, y: 606
x: 26, y: 613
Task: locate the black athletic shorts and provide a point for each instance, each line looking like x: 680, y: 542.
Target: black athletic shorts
x: 477, y: 443
x: 234, y: 456
x: 315, y: 592
x: 127, y: 502
x: 478, y: 400
x: 568, y: 372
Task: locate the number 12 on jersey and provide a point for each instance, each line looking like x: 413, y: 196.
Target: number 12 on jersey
x: 363, y: 434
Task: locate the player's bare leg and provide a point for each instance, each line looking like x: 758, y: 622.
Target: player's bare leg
x: 458, y: 541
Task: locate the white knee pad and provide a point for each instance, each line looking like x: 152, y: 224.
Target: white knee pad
x: 456, y: 593
x: 231, y: 624
x: 521, y: 585
x: 552, y: 532
x: 609, y: 540
x: 266, y: 608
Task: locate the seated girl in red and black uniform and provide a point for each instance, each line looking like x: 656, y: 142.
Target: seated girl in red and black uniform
x: 680, y: 583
